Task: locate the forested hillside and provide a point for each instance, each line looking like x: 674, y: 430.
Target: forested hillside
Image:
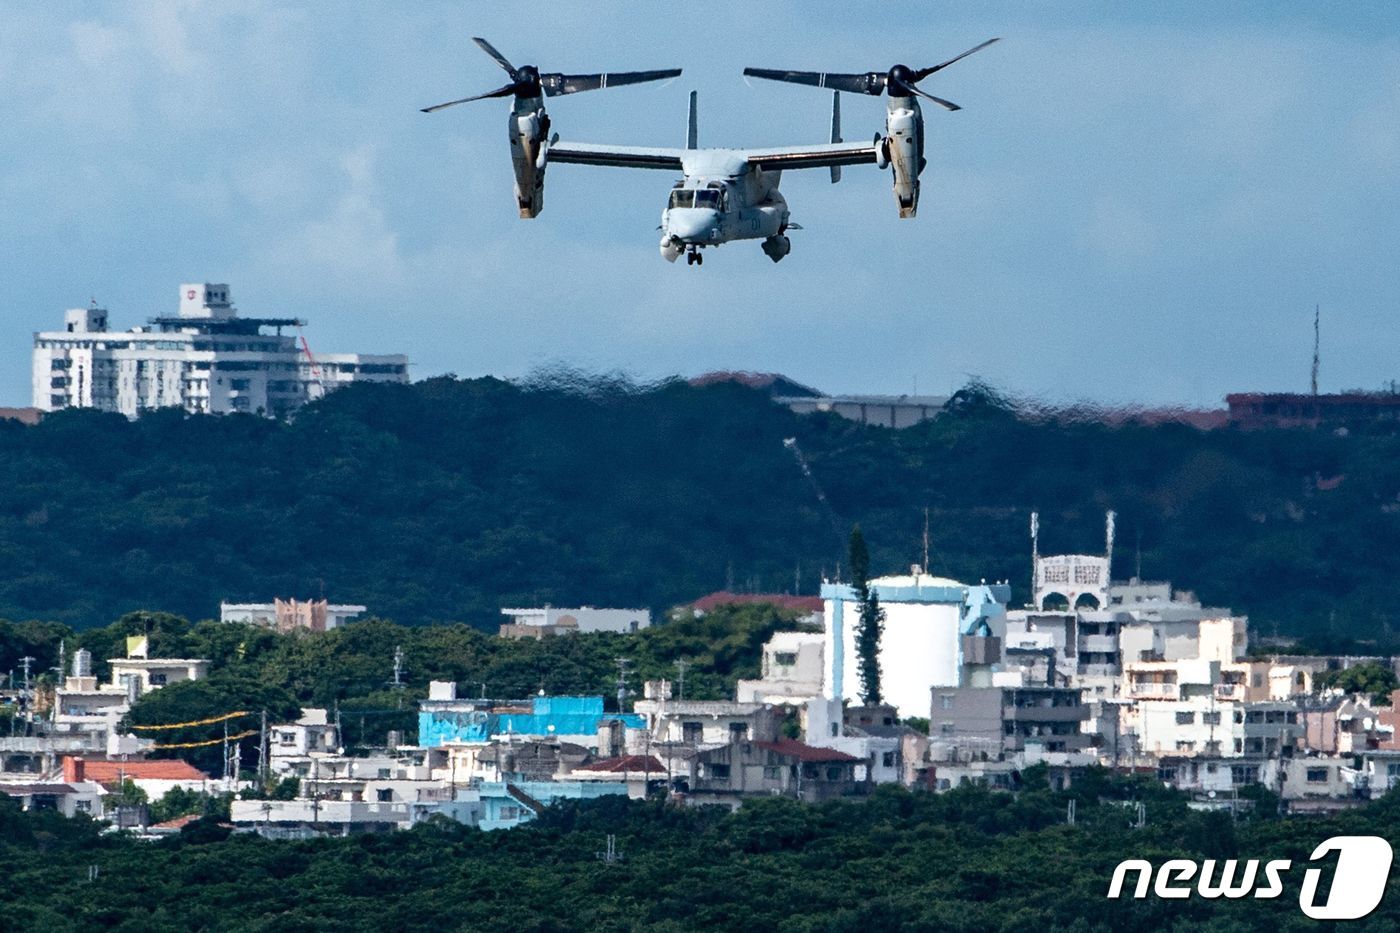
x: 968, y: 860
x: 445, y: 500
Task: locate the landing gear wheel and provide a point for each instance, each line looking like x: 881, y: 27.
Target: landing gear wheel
x: 699, y: 259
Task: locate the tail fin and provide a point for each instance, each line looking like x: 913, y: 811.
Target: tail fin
x: 835, y: 131
x: 692, y: 134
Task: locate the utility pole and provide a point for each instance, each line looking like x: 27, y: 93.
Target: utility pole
x: 398, y: 666
x: 262, y: 751
x: 622, y: 683
x: 1317, y: 344
x: 681, y: 665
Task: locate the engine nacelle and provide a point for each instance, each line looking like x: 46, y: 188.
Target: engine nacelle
x: 528, y: 131
x: 904, y: 143
x: 776, y: 247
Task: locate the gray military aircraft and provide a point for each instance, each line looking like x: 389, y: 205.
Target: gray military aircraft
x: 724, y: 194
x: 903, y: 143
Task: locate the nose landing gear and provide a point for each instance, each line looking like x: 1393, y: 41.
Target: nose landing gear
x: 694, y: 257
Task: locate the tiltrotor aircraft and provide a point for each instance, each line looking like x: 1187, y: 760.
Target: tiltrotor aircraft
x: 724, y: 194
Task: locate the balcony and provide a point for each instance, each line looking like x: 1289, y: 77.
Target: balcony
x: 1102, y: 644
x: 1032, y: 714
x: 1153, y: 690
x: 1229, y: 692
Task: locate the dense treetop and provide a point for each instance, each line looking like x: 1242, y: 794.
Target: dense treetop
x: 448, y: 499
x: 969, y: 860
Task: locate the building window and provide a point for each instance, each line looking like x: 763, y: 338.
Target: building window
x: 1317, y: 775
x: 1185, y: 745
x: 772, y: 774
x: 692, y: 732
x: 1211, y: 719
x: 785, y: 658
x: 946, y: 728
x: 509, y: 813
x: 157, y: 679
x: 1244, y: 774
x: 385, y: 795
x: 887, y: 759
x: 738, y: 731
x: 946, y: 699
x: 1185, y: 719
x: 83, y: 806
x: 719, y: 772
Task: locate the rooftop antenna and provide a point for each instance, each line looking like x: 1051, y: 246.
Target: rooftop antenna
x: 1109, y: 521
x: 1138, y: 574
x: 1035, y: 555
x: 1317, y: 343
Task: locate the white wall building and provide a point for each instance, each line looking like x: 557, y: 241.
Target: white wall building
x: 792, y: 670
x: 921, y: 647
x: 205, y: 359
x: 555, y: 621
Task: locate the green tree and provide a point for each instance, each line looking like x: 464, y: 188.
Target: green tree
x: 1376, y: 680
x: 872, y: 620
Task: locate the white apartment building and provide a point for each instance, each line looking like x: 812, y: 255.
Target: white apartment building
x: 204, y: 359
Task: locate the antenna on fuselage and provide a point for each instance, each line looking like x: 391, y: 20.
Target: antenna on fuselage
x: 692, y: 133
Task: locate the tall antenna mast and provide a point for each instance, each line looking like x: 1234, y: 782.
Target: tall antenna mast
x: 1035, y: 556
x: 925, y: 539
x: 1317, y: 334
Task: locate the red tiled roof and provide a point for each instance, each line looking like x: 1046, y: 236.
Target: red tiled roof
x: 627, y: 763
x: 110, y: 772
x: 180, y: 822
x: 781, y: 600
x: 804, y: 752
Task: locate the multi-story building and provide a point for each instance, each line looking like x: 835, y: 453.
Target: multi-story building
x: 290, y: 615
x: 204, y: 359
x: 993, y: 722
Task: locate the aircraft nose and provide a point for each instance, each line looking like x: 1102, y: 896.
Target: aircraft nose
x: 692, y: 224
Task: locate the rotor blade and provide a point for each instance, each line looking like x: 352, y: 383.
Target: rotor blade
x: 870, y: 83
x: 923, y: 73
x: 556, y: 83
x: 490, y: 49
x: 498, y: 92
x: 910, y: 89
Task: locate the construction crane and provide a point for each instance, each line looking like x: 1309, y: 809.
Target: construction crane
x: 311, y: 361
x: 791, y: 444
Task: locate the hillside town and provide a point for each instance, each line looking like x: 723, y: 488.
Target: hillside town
x: 1133, y: 676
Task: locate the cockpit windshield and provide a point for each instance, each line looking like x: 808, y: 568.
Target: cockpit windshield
x: 708, y: 198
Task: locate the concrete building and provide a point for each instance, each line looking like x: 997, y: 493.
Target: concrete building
x: 793, y: 668
x: 204, y: 359
x: 727, y: 773
x: 290, y: 615
x: 926, y: 618
x: 537, y: 623
x: 886, y: 411
x: 444, y: 718
x: 1030, y: 722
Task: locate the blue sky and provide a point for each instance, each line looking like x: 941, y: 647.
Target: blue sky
x: 1139, y: 203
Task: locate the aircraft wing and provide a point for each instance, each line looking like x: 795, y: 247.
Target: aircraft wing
x: 819, y: 156
x: 620, y: 156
